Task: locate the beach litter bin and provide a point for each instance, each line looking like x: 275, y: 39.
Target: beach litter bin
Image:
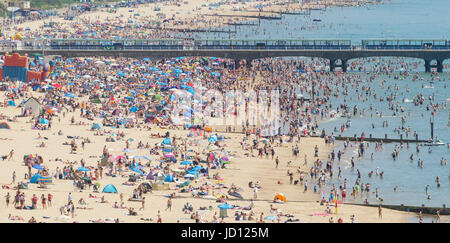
x: 223, y: 213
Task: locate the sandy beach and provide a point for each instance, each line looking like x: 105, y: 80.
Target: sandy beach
x: 242, y: 170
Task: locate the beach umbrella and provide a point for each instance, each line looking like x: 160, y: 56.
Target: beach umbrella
x: 186, y: 162
x: 83, y: 169
x: 169, y: 155
x: 225, y: 206
x: 70, y: 95
x: 38, y: 167
x: 186, y: 183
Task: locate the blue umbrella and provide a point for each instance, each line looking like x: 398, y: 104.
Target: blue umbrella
x: 38, y: 167
x: 70, y: 95
x: 83, y: 169
x: 225, y: 206
x: 147, y: 158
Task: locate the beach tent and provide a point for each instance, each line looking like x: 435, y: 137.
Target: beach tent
x: 35, y: 178
x: 167, y: 141
x: 40, y: 179
x: 169, y: 178
x: 44, y: 180
x: 150, y: 176
x: 212, y: 139
x: 110, y: 188
x: 280, y: 197
x: 96, y: 126
x: 4, y: 125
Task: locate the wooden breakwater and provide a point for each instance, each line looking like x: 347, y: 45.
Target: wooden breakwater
x: 305, y: 12
x: 372, y: 139
x: 415, y: 209
x: 245, y: 16
x: 242, y: 24
x: 192, y: 30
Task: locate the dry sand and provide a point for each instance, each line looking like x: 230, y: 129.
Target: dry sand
x: 240, y: 172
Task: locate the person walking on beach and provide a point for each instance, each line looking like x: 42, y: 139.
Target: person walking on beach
x: 255, y: 192
x: 11, y: 154
x: 277, y: 161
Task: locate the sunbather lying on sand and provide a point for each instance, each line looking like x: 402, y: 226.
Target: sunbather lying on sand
x: 15, y: 217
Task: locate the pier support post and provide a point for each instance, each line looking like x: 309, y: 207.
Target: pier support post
x: 249, y: 63
x: 344, y: 65
x: 237, y: 64
x: 332, y: 65
x: 440, y: 66
x: 427, y: 65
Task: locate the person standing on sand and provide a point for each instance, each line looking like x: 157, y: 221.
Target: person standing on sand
x: 44, y: 203
x: 49, y: 199
x: 380, y: 212
x: 7, y: 199
x: 169, y: 204
x: 121, y: 197
x: 13, y: 177
x: 143, y: 204
x: 159, y: 218
x: 277, y: 161
x: 255, y: 192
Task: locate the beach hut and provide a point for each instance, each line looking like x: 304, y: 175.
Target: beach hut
x: 110, y: 188
x: 4, y: 125
x: 33, y: 105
